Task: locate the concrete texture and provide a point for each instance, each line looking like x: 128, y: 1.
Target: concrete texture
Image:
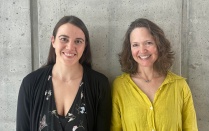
x: 198, y: 60
x: 15, y: 56
x: 26, y: 28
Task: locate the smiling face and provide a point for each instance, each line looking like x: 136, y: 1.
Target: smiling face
x: 69, y: 44
x: 143, y: 47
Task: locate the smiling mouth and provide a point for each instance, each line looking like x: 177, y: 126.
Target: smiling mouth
x: 144, y: 56
x: 69, y: 54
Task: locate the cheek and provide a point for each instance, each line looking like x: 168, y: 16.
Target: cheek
x: 156, y: 54
x: 134, y: 52
x: 153, y: 50
x: 81, y: 49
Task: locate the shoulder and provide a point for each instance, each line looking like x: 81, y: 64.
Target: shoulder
x: 172, y: 77
x: 122, y: 81
x: 123, y: 78
x: 96, y: 82
x: 94, y: 75
x: 37, y: 73
x: 36, y: 77
x: 30, y: 82
x: 181, y: 85
x: 177, y: 81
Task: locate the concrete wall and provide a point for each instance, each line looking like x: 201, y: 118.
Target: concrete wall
x: 15, y: 56
x: 198, y: 59
x: 26, y: 28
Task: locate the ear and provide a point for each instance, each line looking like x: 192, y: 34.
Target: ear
x: 52, y: 41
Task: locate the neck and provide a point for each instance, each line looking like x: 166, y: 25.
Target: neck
x: 67, y: 73
x: 146, y: 74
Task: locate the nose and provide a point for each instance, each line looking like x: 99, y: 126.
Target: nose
x: 70, y: 45
x: 143, y: 48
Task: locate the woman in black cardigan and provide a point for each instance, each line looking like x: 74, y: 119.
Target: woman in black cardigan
x: 65, y: 94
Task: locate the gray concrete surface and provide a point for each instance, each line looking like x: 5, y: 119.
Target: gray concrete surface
x: 26, y: 28
x: 15, y: 56
x: 198, y: 60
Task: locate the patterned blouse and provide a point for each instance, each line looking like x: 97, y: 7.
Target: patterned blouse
x: 75, y: 119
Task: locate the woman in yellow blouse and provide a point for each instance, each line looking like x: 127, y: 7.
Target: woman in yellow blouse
x: 147, y: 96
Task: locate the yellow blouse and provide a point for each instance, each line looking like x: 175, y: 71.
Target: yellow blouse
x: 171, y: 110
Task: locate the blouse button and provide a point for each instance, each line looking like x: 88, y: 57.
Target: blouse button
x: 151, y: 108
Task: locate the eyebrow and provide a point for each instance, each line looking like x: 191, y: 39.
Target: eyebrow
x: 64, y: 36
x: 80, y: 39
x: 69, y: 37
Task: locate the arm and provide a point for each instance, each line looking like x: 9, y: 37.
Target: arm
x: 116, y: 120
x: 116, y: 124
x: 189, y: 122
x: 104, y: 107
x: 23, y: 110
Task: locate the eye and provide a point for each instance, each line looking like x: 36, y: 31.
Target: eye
x: 149, y: 43
x: 134, y: 45
x: 63, y: 39
x: 78, y: 41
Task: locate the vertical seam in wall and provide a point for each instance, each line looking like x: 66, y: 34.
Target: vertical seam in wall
x: 34, y: 34
x: 109, y: 41
x: 184, y: 38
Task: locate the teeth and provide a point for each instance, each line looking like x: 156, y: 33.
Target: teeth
x: 68, y: 54
x: 144, y: 57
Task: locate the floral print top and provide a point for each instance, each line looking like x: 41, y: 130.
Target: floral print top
x: 75, y: 119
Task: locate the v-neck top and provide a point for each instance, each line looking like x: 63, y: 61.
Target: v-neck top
x: 76, y: 116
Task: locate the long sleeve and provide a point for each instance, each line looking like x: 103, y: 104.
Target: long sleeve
x: 116, y: 120
x: 98, y: 95
x: 30, y: 99
x: 104, y: 107
x: 23, y: 110
x: 116, y: 114
x: 171, y: 110
x: 189, y: 122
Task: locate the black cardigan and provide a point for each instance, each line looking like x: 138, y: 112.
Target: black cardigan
x: 31, y: 95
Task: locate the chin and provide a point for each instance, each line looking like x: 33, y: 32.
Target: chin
x: 146, y: 65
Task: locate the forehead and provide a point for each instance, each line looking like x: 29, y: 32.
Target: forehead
x: 140, y: 32
x: 70, y: 30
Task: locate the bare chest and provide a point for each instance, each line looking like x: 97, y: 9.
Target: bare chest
x: 149, y: 88
x: 64, y: 94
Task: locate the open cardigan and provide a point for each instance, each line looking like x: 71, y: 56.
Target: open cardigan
x: 31, y: 97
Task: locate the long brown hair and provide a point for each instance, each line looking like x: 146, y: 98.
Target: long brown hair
x: 165, y: 57
x: 86, y: 57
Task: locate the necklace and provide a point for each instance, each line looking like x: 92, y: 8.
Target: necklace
x: 147, y: 81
